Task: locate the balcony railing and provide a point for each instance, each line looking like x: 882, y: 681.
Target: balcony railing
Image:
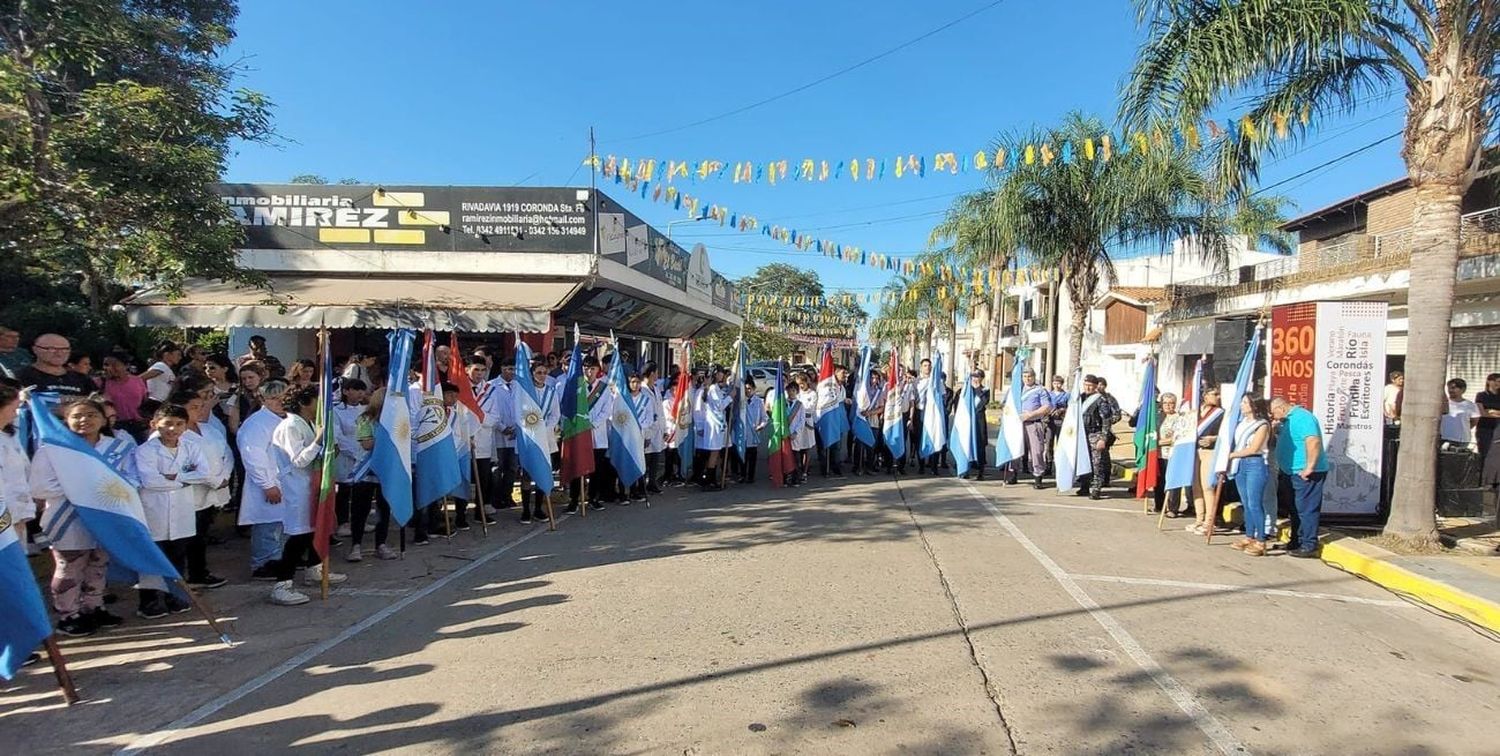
x: 1199, y: 297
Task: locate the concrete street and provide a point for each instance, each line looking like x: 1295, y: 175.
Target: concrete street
x: 867, y: 615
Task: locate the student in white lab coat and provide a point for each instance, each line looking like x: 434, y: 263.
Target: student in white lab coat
x: 169, y: 470
x: 647, y: 411
x: 656, y: 435
x: 802, y: 401
x: 465, y: 428
x: 498, y: 404
x: 15, y: 467
x: 296, y: 447
x: 713, y: 433
x: 478, y: 369
x: 210, y: 493
x: 756, y: 419
x: 346, y: 411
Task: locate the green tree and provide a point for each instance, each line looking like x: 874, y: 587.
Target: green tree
x: 118, y: 116
x: 1074, y: 215
x: 770, y: 329
x: 1328, y: 56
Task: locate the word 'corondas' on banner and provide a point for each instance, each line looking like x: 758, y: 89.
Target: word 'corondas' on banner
x: 1103, y: 147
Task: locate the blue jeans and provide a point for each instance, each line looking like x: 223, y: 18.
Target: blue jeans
x: 265, y: 544
x: 1307, y: 506
x: 1250, y: 481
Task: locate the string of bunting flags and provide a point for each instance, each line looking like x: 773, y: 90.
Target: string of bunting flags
x: 1103, y: 147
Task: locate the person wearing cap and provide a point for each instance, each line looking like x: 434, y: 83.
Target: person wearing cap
x: 1100, y: 413
x: 713, y: 433
x: 1036, y: 411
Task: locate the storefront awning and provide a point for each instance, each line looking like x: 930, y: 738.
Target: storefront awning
x: 467, y: 305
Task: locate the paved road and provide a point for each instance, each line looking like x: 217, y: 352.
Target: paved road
x: 875, y: 616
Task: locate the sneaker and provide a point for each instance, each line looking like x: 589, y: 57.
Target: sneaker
x: 1303, y: 553
x: 78, y: 625
x: 489, y: 519
x: 526, y: 519
x: 1240, y: 544
x: 31, y: 659
x: 354, y: 555
x: 420, y: 541
x: 103, y: 619
x: 209, y: 581
x: 263, y: 574
x: 176, y: 605
x: 490, y: 511
x: 283, y: 594
x: 314, y: 576
x: 1195, y: 528
x: 343, y: 531
x: 464, y: 526
x: 152, y: 608
x: 596, y: 506
x: 572, y: 508
x: 385, y: 552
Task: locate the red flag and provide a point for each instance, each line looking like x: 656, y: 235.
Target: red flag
x: 460, y: 378
x: 825, y: 367
x: 1145, y: 481
x: 890, y: 378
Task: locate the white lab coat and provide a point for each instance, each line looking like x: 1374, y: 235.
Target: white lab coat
x: 15, y: 480
x: 295, y: 448
x: 345, y: 416
x: 464, y: 427
x: 214, y: 447
x: 648, y: 413
x: 499, y: 408
x: 713, y: 432
x: 119, y: 451
x: 261, y: 473
x: 803, y: 421
x: 170, y: 503
x: 755, y: 416
x: 599, y: 414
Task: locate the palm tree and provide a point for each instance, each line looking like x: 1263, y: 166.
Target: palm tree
x: 1326, y: 56
x: 1073, y: 215
x: 979, y: 240
x: 1260, y: 218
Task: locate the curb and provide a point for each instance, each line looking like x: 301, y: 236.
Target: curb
x: 1372, y: 563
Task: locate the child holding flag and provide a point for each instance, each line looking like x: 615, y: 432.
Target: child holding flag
x: 295, y: 447
x: 79, y: 563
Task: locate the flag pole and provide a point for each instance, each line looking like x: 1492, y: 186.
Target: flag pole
x: 60, y: 670
x: 447, y: 518
x: 203, y: 610
x: 484, y: 526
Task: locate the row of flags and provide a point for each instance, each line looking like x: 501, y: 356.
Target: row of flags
x: 417, y: 462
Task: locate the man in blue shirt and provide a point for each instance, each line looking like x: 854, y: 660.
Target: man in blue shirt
x: 1300, y: 457
x: 1036, y: 414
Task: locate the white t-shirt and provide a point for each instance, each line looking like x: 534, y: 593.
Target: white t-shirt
x: 1456, y: 424
x: 160, y: 386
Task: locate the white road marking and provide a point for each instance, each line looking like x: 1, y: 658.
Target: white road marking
x: 1244, y: 589
x: 1217, y: 733
x: 207, y: 710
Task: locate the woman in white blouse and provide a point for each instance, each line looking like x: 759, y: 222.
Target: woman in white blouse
x: 1249, y: 471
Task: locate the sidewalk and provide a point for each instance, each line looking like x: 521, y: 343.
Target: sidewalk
x: 1467, y: 587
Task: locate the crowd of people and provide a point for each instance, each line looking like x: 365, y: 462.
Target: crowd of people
x: 201, y: 433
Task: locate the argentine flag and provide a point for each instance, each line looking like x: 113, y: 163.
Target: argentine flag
x: 863, y: 433
x: 1184, y: 458
x: 390, y: 457
x: 962, y: 441
x: 627, y: 446
x: 1071, y: 454
x: 1232, y: 412
x: 1010, y: 443
x: 934, y: 415
x: 97, y: 496
x: 534, y: 444
x: 24, y: 623
x: 434, y: 460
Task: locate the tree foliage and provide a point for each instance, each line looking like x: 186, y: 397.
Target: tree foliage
x: 118, y: 116
x: 1290, y: 58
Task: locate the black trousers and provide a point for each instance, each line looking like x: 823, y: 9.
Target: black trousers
x: 485, y: 479
x: 673, y: 467
x: 532, y: 498
x: 296, y: 553
x: 653, y: 466
x: 752, y: 457
x: 197, y: 546
x: 363, y: 497
x: 341, y: 505
x: 506, y: 463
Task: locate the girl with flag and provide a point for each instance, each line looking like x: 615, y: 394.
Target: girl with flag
x: 713, y: 434
x: 79, y: 563
x: 1205, y: 482
x: 295, y: 447
x: 803, y: 401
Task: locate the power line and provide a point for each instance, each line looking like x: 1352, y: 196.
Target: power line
x: 816, y: 82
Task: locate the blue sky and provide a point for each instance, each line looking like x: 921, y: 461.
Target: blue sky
x: 500, y: 94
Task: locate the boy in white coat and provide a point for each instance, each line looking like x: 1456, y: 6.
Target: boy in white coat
x: 169, y: 470
x: 213, y: 491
